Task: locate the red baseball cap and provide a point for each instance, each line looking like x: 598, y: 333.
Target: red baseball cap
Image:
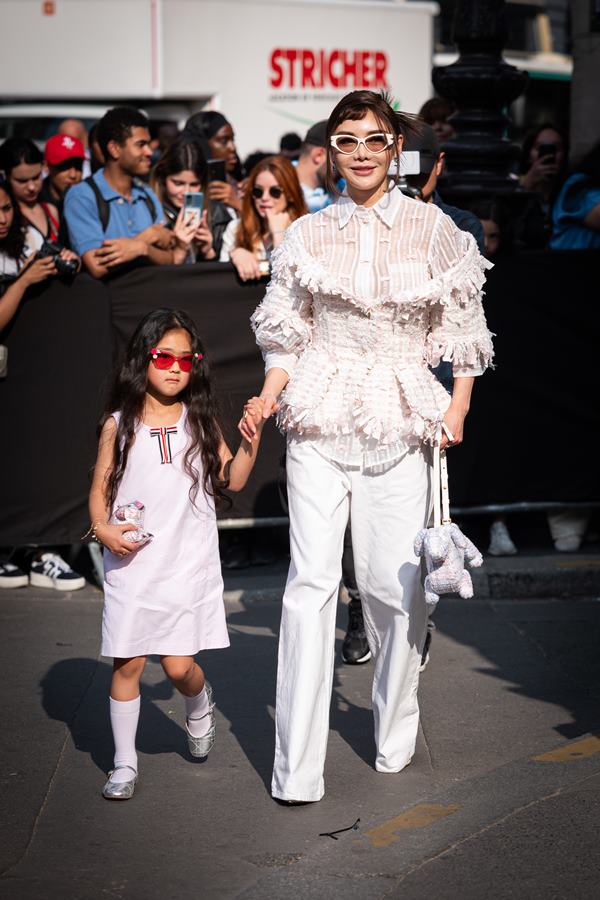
x: 61, y: 147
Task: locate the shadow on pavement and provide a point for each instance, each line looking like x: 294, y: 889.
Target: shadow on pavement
x: 546, y: 650
x: 76, y: 691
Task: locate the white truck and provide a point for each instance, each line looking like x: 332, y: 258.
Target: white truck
x: 270, y: 65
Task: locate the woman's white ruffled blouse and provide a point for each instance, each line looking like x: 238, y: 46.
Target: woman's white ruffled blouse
x: 361, y: 302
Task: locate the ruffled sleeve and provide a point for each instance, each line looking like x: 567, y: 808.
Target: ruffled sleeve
x: 283, y: 321
x: 458, y: 330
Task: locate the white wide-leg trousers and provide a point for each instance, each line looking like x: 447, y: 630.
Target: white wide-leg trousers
x: 387, y: 511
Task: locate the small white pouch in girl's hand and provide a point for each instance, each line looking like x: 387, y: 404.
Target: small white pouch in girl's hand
x: 133, y: 513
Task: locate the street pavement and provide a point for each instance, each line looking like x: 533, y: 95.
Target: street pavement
x: 501, y: 799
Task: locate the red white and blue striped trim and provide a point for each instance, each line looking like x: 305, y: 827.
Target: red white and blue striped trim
x: 163, y: 435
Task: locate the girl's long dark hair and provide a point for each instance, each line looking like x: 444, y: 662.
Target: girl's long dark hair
x: 128, y: 396
x: 14, y: 242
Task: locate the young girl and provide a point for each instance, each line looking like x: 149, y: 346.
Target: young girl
x: 161, y: 444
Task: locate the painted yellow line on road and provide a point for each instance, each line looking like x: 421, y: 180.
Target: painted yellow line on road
x: 575, y: 750
x: 418, y: 817
x: 578, y: 563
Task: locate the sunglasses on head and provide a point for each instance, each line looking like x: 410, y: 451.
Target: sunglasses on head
x: 162, y: 359
x: 274, y: 192
x: 374, y: 143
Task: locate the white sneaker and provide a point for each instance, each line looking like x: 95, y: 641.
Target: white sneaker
x: 500, y: 541
x: 567, y: 528
x: 51, y: 571
x: 12, y: 576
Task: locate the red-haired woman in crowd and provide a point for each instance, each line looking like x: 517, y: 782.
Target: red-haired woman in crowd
x: 273, y: 200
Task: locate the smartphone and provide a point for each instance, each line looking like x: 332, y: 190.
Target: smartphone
x: 216, y: 170
x: 547, y: 151
x: 193, y: 204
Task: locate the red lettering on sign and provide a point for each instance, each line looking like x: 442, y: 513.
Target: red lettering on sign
x: 308, y: 68
x: 276, y: 78
x: 292, y: 67
x: 381, y: 62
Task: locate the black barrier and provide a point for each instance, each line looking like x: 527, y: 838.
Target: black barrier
x: 529, y: 437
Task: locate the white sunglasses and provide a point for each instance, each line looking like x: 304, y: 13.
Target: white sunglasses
x: 374, y: 143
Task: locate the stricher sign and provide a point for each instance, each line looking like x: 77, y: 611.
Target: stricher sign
x: 292, y: 67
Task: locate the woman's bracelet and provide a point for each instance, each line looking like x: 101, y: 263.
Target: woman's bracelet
x: 92, y: 531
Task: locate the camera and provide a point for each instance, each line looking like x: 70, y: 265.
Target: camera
x: 54, y: 249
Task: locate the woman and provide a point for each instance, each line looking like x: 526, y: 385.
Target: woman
x: 22, y: 164
x: 216, y: 139
x: 181, y: 170
x: 542, y: 168
x: 18, y: 268
x: 365, y: 294
x: 273, y: 200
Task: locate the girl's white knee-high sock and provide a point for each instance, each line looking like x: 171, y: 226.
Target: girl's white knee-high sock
x: 124, y: 716
x: 197, y: 710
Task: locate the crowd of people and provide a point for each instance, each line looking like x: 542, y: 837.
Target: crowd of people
x: 117, y: 197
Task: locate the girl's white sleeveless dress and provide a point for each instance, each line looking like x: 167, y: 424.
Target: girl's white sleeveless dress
x: 167, y: 597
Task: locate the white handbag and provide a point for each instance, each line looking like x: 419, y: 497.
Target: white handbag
x: 444, y: 546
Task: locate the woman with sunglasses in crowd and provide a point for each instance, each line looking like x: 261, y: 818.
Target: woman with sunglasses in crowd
x: 273, y: 200
x: 161, y: 449
x: 182, y: 170
x: 365, y: 295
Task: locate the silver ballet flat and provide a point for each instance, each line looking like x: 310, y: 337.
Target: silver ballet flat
x: 122, y: 790
x: 201, y: 746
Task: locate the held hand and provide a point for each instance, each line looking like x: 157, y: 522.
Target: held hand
x: 256, y: 412
x: 36, y: 270
x: 454, y: 420
x: 245, y: 263
x: 252, y: 422
x: 112, y: 538
x: 117, y: 251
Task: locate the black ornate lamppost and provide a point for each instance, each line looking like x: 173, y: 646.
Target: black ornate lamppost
x: 481, y: 84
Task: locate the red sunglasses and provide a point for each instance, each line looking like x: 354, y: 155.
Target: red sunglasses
x: 163, y: 360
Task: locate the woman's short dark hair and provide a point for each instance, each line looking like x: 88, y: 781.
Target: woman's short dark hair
x: 355, y: 106
x: 182, y: 155
x: 16, y: 151
x: 117, y: 125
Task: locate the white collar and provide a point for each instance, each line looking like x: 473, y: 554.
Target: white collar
x: 385, y: 209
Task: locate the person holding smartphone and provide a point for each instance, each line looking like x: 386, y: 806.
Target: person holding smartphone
x: 542, y: 170
x: 180, y: 173
x: 273, y: 200
x: 215, y: 136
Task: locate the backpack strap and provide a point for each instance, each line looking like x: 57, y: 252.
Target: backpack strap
x: 148, y: 201
x: 101, y: 203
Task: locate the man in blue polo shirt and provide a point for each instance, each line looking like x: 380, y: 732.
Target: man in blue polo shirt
x: 114, y: 218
